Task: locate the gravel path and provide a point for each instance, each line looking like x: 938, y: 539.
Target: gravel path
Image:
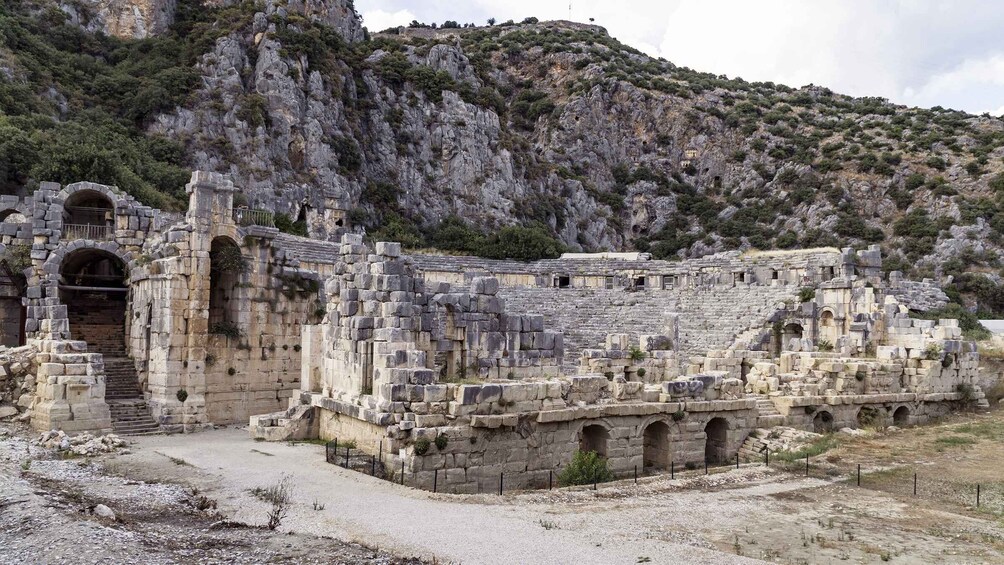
x: 663, y: 525
x: 46, y: 517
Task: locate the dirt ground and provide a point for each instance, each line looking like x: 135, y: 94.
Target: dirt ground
x: 165, y: 488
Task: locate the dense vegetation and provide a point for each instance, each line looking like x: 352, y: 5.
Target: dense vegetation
x: 848, y: 171
x: 75, y: 104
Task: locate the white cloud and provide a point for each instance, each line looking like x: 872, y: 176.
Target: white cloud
x: 917, y: 52
x: 378, y: 20
x: 969, y: 77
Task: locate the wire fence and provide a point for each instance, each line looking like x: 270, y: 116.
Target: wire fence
x: 922, y: 483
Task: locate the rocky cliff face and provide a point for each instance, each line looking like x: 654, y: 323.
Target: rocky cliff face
x: 127, y: 19
x: 557, y: 123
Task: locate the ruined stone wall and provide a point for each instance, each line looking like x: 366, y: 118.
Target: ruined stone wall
x: 527, y: 430
x: 250, y: 366
x: 799, y: 268
x: 388, y: 328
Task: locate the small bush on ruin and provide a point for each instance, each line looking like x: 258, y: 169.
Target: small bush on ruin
x: 932, y: 352
x: 636, y: 354
x: 966, y: 391
x: 182, y: 395
x: 231, y: 371
x: 422, y: 445
x: 441, y: 441
x: 609, y: 375
x: 586, y: 468
x: 228, y: 329
x: 641, y: 373
x: 825, y: 345
x: 810, y: 409
x: 679, y: 415
x: 806, y: 294
x: 228, y: 259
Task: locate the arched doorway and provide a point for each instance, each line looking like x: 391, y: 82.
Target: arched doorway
x: 594, y: 438
x: 870, y: 416
x: 716, y: 445
x: 92, y: 285
x: 12, y: 311
x: 88, y: 214
x: 822, y: 422
x: 226, y: 264
x: 827, y: 327
x: 655, y: 451
x: 901, y: 417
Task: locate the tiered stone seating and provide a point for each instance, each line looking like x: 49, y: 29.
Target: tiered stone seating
x: 709, y: 318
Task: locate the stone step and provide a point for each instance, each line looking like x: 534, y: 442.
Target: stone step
x: 770, y: 421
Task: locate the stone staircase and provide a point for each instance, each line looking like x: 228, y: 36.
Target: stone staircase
x: 101, y: 323
x: 767, y: 414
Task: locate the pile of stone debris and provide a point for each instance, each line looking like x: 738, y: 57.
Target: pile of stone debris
x: 84, y: 444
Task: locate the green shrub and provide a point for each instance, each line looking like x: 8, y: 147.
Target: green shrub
x: 825, y: 345
x: 586, y: 468
x: 636, y: 354
x: 441, y: 441
x: 182, y: 395
x: 422, y: 445
x: 228, y: 329
x: 968, y: 322
x: 286, y: 224
x: 806, y: 294
x: 932, y: 352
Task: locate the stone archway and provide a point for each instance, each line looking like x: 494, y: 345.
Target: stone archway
x: 226, y: 264
x: 93, y: 287
x: 716, y: 444
x: 871, y: 416
x: 828, y: 327
x: 901, y: 417
x: 594, y: 437
x: 655, y: 450
x: 822, y: 422
x: 88, y: 214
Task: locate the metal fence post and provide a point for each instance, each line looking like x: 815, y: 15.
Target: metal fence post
x: 635, y: 474
x: 977, y: 495
x: 672, y: 470
x: 501, y: 478
x: 859, y: 474
x: 768, y: 456
x: 806, y: 464
x: 705, y: 465
x: 737, y: 460
x: 915, y: 484
x: 402, y: 471
x: 550, y: 479
x: 346, y: 457
x: 435, y: 479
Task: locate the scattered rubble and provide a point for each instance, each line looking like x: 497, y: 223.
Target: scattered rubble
x: 85, y: 444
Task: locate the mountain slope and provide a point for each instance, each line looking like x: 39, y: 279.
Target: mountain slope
x: 421, y: 133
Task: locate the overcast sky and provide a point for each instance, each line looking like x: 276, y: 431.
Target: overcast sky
x: 917, y: 52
